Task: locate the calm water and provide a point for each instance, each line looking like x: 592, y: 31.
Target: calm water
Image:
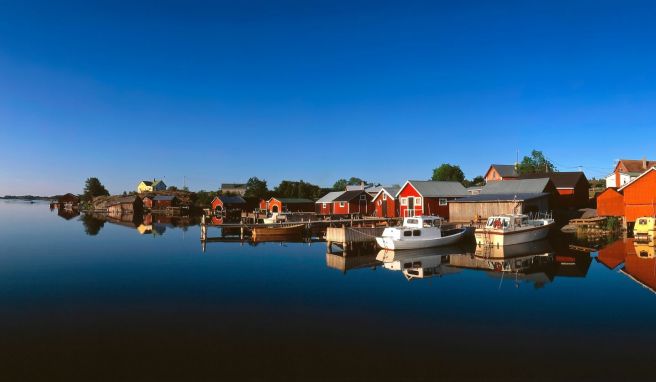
x: 120, y: 305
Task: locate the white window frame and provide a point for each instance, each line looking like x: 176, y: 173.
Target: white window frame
x: 363, y: 197
x: 443, y: 202
x: 384, y: 196
x: 418, y: 201
x: 342, y: 204
x: 404, y: 201
x: 324, y: 205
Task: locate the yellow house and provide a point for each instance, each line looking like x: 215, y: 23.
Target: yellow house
x: 150, y: 186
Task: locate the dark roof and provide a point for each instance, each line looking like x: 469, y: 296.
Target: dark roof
x: 294, y: 200
x: 500, y: 197
x: 164, y: 197
x: 636, y: 165
x: 506, y: 170
x: 123, y: 200
x: 233, y: 185
x: 147, y: 182
x: 347, y: 196
x: 519, y: 186
x: 560, y: 179
x: 431, y: 188
x: 68, y: 198
x: 329, y: 197
x: 225, y: 199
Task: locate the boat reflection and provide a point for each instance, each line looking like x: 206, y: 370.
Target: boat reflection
x: 420, y: 263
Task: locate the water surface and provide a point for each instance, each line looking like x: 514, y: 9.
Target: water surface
x: 87, y: 300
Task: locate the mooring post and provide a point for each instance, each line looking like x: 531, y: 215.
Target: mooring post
x: 203, y: 229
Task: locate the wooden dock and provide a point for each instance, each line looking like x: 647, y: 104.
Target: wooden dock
x: 350, y: 237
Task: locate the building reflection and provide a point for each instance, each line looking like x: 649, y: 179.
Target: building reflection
x: 636, y: 260
x: 144, y: 224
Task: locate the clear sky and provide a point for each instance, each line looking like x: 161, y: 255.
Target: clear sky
x: 317, y: 90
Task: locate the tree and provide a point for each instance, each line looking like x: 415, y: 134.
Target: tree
x: 173, y: 188
x: 341, y: 184
x: 537, y: 163
x: 300, y: 189
x: 93, y: 188
x: 256, y: 188
x: 477, y: 181
x: 448, y: 172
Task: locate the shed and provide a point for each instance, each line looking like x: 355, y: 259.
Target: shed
x: 68, y: 201
x: 426, y: 197
x: 572, y: 187
x: 324, y: 206
x: 165, y: 201
x: 640, y: 196
x: 125, y: 205
x: 498, y: 172
x: 610, y: 203
x: 353, y: 202
x: 385, y: 202
x: 224, y: 203
x: 482, y: 206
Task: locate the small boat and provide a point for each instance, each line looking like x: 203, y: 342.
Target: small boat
x: 419, y: 232
x: 278, y: 233
x: 644, y: 229
x: 513, y: 229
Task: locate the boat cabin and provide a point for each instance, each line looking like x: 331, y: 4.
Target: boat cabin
x: 423, y: 222
x: 507, y: 221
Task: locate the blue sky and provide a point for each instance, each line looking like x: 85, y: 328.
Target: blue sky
x: 317, y: 90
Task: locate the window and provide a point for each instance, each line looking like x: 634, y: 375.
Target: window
x: 407, y: 233
x: 342, y: 204
x: 416, y: 232
x: 418, y: 202
x: 384, y: 196
x: 363, y: 197
x: 404, y: 201
x: 324, y: 205
x: 443, y: 202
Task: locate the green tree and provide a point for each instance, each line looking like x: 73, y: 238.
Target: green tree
x: 537, y: 163
x: 93, y: 188
x: 448, y: 172
x: 300, y: 189
x: 340, y: 185
x: 476, y: 181
x: 256, y: 188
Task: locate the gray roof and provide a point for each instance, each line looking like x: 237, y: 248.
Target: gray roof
x: 233, y: 185
x: 164, y: 197
x: 520, y: 186
x: 329, y: 197
x: 356, y: 187
x: 431, y: 188
x: 506, y: 170
x: 347, y: 196
x: 225, y: 199
x: 392, y: 190
x: 500, y: 197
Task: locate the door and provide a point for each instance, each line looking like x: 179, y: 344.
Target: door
x: 384, y: 208
x: 411, y: 206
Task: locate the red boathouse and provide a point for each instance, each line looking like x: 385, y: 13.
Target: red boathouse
x: 425, y: 197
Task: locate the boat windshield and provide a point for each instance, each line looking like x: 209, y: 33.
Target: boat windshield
x: 498, y: 222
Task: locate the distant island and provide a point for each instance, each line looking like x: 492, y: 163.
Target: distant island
x: 27, y: 197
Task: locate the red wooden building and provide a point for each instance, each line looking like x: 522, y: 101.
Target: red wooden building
x: 353, y: 202
x: 573, y: 188
x: 421, y: 197
x: 148, y: 202
x: 385, y: 202
x: 223, y: 203
x: 324, y: 206
x: 501, y: 172
x: 610, y: 203
x: 165, y: 201
x: 640, y: 196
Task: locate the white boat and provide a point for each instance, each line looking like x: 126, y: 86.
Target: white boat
x: 419, y: 232
x: 513, y: 229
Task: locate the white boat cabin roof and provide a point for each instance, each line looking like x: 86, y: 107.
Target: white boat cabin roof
x: 421, y: 221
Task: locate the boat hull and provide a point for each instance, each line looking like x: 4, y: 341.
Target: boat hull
x: 391, y: 244
x: 278, y: 233
x: 495, y: 237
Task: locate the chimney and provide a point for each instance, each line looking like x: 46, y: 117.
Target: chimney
x: 644, y: 163
x: 362, y: 185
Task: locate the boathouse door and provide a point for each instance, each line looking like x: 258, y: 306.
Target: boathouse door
x: 384, y: 202
x: 411, y: 206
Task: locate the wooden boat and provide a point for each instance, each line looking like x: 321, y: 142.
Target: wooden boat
x: 513, y: 229
x: 419, y: 232
x: 278, y: 233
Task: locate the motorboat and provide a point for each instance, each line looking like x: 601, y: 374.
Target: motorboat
x: 419, y: 232
x: 513, y: 229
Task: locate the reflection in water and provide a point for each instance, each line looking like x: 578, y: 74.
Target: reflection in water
x: 536, y: 263
x: 67, y: 214
x: 92, y: 225
x: 420, y: 263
